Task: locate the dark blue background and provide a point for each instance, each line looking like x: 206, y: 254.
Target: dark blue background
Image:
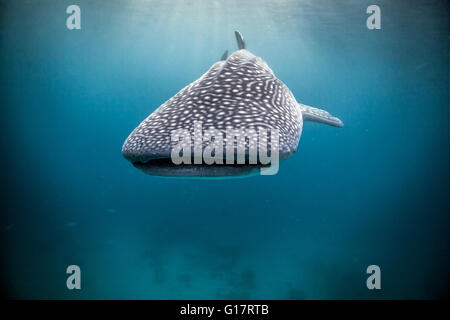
x: 374, y: 192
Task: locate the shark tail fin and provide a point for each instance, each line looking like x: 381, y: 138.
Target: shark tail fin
x: 224, y: 56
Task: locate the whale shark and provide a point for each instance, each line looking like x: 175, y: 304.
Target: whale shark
x: 239, y: 91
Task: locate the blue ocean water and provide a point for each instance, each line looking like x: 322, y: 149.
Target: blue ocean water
x: 373, y: 192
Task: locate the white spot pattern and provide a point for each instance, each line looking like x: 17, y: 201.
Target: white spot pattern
x: 240, y: 93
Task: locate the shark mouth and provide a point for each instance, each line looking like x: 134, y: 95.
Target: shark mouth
x: 166, y: 168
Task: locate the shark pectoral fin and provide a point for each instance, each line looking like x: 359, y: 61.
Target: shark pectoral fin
x: 319, y: 115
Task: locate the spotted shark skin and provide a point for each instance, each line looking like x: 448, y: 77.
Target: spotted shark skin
x: 240, y: 92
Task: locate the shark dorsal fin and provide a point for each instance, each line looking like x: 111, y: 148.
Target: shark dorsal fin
x: 240, y: 40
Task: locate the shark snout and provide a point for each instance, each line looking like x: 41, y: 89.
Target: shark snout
x: 137, y: 149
